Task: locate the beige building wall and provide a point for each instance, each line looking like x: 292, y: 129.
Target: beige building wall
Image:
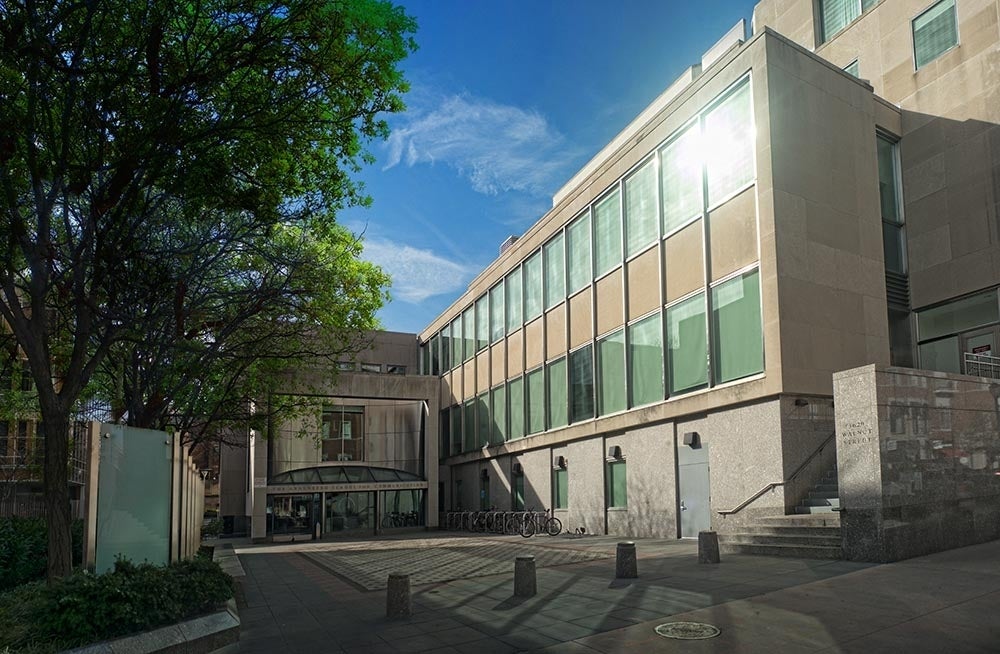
x: 950, y: 129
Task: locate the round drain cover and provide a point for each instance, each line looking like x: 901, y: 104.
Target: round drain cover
x: 687, y: 630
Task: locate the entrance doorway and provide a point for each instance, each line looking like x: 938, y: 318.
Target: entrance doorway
x: 977, y: 350
x: 694, y: 507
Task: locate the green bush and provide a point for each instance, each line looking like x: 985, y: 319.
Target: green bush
x: 86, y: 608
x: 24, y: 547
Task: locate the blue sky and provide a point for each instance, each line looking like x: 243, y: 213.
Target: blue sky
x: 508, y: 100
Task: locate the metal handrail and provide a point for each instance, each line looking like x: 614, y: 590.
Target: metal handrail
x: 775, y: 484
x: 981, y: 365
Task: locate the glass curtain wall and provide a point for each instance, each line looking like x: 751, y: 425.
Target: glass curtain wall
x: 645, y: 347
x: 555, y: 272
x: 581, y: 384
x: 578, y: 251
x: 611, y: 373
x: 640, y: 209
x: 607, y: 234
x: 558, y: 404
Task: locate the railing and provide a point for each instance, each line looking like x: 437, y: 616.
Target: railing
x: 982, y: 365
x: 777, y: 484
x: 524, y: 523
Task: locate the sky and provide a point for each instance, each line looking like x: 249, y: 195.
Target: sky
x: 507, y: 101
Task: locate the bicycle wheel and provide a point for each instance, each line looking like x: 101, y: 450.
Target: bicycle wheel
x: 553, y: 526
x: 528, y: 527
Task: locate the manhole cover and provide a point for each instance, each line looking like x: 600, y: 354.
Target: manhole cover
x: 687, y: 630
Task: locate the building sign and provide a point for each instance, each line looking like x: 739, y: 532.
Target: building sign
x: 983, y: 349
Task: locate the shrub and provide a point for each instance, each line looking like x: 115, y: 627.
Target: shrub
x: 86, y: 608
x: 24, y: 547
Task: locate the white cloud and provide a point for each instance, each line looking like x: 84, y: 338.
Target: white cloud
x: 416, y: 274
x: 497, y: 147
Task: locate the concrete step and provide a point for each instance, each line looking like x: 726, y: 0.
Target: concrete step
x: 821, y: 501
x: 824, y: 494
x: 814, y: 509
x: 835, y: 487
x: 832, y: 531
x: 796, y: 551
x: 801, y: 520
x: 771, y: 539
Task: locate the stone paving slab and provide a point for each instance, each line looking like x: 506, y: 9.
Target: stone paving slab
x: 429, y: 561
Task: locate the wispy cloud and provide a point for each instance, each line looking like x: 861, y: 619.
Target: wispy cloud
x: 497, y: 147
x: 416, y: 274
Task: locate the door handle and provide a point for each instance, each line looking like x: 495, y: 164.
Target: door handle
x: 683, y: 508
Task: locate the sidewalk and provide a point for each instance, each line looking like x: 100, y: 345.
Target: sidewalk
x: 293, y: 601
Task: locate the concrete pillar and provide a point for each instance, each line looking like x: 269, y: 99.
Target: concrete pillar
x: 397, y: 597
x: 525, y: 584
x: 626, y: 566
x: 708, y: 547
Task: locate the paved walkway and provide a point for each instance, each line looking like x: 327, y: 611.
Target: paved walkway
x: 294, y: 601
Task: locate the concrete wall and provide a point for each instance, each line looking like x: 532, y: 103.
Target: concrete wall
x: 950, y: 131
x: 918, y: 454
x: 827, y: 226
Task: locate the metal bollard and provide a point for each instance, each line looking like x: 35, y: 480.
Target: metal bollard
x: 626, y: 566
x: 397, y: 597
x: 708, y: 547
x: 524, y: 576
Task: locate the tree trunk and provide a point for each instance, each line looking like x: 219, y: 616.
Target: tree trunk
x: 56, y: 487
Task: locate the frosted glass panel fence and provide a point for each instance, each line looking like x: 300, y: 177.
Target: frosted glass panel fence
x: 145, y: 498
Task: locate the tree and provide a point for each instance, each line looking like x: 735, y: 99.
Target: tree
x: 133, y: 129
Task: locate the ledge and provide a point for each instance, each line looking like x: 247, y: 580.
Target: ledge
x: 195, y: 636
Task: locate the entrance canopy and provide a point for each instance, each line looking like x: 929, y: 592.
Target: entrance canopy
x: 342, y: 475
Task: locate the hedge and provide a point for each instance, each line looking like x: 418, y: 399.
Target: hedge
x: 24, y: 549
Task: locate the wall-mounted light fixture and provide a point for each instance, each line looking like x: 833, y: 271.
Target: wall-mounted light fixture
x: 559, y: 463
x: 615, y: 452
x: 691, y: 439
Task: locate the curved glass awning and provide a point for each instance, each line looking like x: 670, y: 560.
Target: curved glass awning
x: 342, y: 475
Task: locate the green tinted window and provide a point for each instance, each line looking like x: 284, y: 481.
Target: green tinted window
x: 934, y: 32
x: 640, y: 209
x: 560, y: 489
x: 468, y: 331
x: 555, y: 272
x: 728, y: 142
x: 738, y: 341
x: 482, y: 322
x: 681, y: 179
x: 513, y: 287
x: 515, y: 399
x: 578, y: 252
x: 611, y: 374
x: 617, y: 484
x: 533, y: 287
x: 536, y: 401
x: 484, y: 424
x: 607, y: 234
x: 496, y: 313
x: 456, y: 429
x: 581, y: 384
x: 687, y: 351
x: 645, y: 351
x: 499, y: 414
x: 456, y: 342
x: 469, y: 432
x: 558, y: 404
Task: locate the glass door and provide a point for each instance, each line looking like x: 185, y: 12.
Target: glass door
x: 979, y: 352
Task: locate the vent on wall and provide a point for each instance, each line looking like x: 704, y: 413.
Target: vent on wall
x: 518, y: 469
x: 897, y: 290
x: 615, y: 452
x: 559, y: 463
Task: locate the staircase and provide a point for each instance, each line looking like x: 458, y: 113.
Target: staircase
x: 812, y: 532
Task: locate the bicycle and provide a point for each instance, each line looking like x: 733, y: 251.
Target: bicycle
x: 540, y: 522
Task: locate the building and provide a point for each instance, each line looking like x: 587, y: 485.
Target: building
x: 660, y: 346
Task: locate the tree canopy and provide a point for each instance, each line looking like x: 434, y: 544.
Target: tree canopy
x: 170, y: 174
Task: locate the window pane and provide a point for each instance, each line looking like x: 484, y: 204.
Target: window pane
x: 499, y: 431
x: 517, y: 501
x: 560, y: 489
x: 687, y: 361
x: 640, y: 208
x: 607, y: 235
x: 837, y: 14
x: 536, y: 401
x: 516, y: 401
x: 852, y: 68
x: 728, y: 145
x: 941, y: 355
x: 611, y: 374
x: 892, y: 248
x: 617, y: 484
x: 445, y: 429
x: 581, y: 382
x: 482, y: 323
x: 533, y: 287
x: 446, y: 348
x: 513, y: 287
x: 974, y: 311
x: 555, y: 272
x: 737, y: 333
x: 558, y: 403
x: 646, y: 361
x: 496, y: 313
x: 934, y: 32
x: 456, y: 430
x: 578, y: 251
x: 887, y: 189
x: 900, y: 339
x: 681, y: 187
x: 469, y: 430
x: 456, y: 342
x: 436, y: 355
x: 468, y: 329
x: 484, y: 424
